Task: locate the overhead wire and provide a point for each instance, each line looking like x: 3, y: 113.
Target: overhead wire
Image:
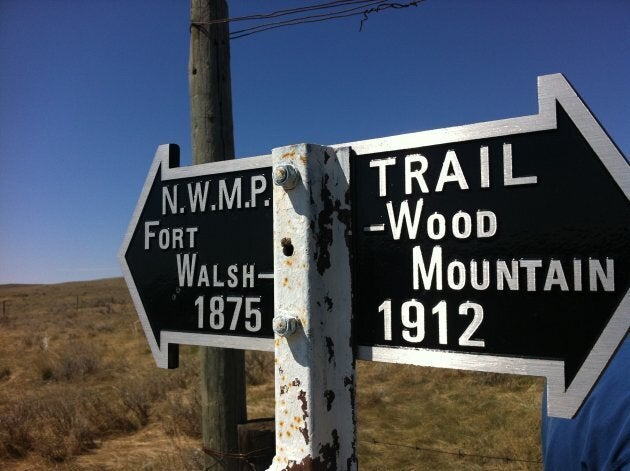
x: 303, y: 20
x: 291, y: 11
x: 357, y: 7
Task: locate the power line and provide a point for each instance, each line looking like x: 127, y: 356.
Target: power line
x: 386, y: 6
x: 303, y: 20
x: 291, y: 11
x: 338, y: 7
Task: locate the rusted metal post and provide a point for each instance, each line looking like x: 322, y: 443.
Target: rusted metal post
x: 314, y: 364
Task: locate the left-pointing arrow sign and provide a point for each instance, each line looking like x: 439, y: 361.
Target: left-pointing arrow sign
x: 197, y: 256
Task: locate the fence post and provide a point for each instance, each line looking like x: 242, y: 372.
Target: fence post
x: 314, y: 363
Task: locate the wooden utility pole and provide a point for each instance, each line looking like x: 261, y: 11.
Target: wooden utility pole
x: 222, y: 370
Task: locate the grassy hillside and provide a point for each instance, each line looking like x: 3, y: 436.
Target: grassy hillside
x: 79, y: 390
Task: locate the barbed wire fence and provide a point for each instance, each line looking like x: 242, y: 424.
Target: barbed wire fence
x: 250, y: 459
x: 459, y: 453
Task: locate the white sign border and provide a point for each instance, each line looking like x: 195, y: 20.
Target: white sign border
x: 160, y: 347
x: 562, y: 401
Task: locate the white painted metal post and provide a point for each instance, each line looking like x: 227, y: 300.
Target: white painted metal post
x: 314, y: 364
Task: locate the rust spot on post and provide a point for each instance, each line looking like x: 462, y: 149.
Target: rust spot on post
x: 302, y: 399
x: 329, y: 452
x: 287, y: 246
x: 330, y: 397
x: 329, y: 303
x: 330, y: 346
x: 324, y: 229
x: 304, y: 432
x: 345, y: 217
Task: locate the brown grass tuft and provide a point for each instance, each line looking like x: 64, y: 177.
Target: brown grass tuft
x: 79, y: 390
x: 258, y: 367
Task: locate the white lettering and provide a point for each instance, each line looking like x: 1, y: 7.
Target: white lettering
x: 169, y: 238
x: 164, y: 239
x: 382, y: 165
x: 508, y: 178
x: 596, y: 272
x: 191, y: 236
x: 411, y: 175
x: 484, y: 167
x: 169, y: 199
x: 185, y: 269
x: 478, y: 274
x: 457, y: 175
x: 215, y: 277
x: 577, y: 274
x: 477, y: 310
x: 530, y: 266
x: 456, y: 280
x: 434, y: 271
x: 178, y: 238
x: 231, y: 198
x: 258, y: 186
x: 248, y: 276
x: 202, y: 279
x: 198, y: 196
x: 485, y: 271
x: 148, y: 234
x: 232, y: 272
x: 404, y: 218
x: 511, y: 278
x: 434, y: 232
x: 486, y: 224
x: 459, y: 231
x: 555, y: 276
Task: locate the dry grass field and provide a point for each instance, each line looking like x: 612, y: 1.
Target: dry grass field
x: 79, y: 391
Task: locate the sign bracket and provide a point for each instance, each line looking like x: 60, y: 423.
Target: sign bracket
x: 314, y: 363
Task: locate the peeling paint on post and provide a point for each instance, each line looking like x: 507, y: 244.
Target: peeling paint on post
x: 314, y: 365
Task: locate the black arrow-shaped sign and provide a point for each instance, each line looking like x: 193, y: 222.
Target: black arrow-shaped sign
x: 501, y: 246
x: 197, y: 256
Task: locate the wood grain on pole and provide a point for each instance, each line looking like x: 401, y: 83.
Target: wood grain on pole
x: 222, y: 370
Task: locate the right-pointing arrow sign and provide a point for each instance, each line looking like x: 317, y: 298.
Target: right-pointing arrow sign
x: 501, y: 246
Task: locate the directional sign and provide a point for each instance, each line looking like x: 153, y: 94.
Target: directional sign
x: 197, y: 256
x: 502, y: 246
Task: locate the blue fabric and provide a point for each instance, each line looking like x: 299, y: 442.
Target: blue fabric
x: 598, y: 438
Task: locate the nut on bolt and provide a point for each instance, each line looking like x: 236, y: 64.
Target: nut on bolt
x: 285, y: 325
x: 286, y: 176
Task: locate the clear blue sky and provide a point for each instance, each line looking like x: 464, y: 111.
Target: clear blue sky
x: 88, y: 89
